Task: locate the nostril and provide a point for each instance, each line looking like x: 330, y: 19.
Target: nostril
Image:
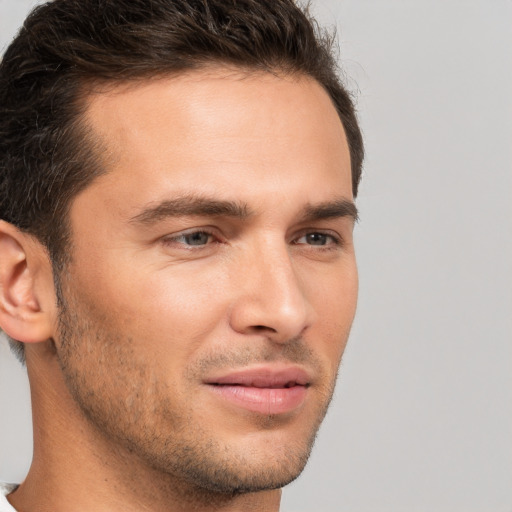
x: 263, y: 328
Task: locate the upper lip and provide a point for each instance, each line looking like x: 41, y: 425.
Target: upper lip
x: 263, y: 377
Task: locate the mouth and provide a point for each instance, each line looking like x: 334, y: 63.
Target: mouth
x: 263, y: 390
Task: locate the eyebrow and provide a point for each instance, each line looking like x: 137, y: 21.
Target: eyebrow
x: 191, y: 206
x: 331, y: 210
x: 206, y: 207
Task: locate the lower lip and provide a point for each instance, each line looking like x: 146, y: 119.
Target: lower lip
x: 263, y: 400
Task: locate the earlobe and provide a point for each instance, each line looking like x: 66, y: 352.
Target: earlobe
x: 25, y: 314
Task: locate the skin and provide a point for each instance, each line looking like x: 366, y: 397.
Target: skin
x: 157, y: 303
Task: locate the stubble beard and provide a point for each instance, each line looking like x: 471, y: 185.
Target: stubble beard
x: 137, y: 416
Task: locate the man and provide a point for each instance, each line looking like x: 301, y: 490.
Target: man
x: 177, y: 187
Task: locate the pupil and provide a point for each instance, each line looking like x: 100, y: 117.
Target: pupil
x: 197, y: 238
x: 317, y: 239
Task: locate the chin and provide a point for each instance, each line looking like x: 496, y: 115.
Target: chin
x: 247, y: 474
x: 229, y: 465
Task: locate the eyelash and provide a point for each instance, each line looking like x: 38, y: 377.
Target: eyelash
x: 333, y: 243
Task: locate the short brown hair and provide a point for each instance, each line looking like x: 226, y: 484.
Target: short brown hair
x: 46, y: 157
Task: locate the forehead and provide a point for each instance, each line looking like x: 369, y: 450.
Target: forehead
x: 211, y: 129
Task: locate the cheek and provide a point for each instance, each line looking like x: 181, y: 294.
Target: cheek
x: 170, y: 309
x: 333, y: 291
x: 335, y: 305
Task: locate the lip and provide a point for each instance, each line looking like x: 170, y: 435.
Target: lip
x: 264, y: 390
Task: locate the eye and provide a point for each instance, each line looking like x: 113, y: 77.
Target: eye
x: 198, y: 238
x: 318, y: 239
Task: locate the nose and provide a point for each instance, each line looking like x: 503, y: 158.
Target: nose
x: 270, y: 296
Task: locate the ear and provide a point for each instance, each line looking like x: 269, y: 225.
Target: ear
x: 27, y: 296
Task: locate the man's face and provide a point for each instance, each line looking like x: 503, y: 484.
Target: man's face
x: 213, y: 279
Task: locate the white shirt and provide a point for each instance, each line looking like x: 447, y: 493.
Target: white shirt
x: 5, y: 489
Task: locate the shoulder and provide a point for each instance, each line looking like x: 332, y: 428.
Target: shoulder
x: 5, y: 489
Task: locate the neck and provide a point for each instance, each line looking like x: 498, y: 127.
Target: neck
x: 75, y: 468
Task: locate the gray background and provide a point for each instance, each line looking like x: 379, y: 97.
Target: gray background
x: 422, y: 419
